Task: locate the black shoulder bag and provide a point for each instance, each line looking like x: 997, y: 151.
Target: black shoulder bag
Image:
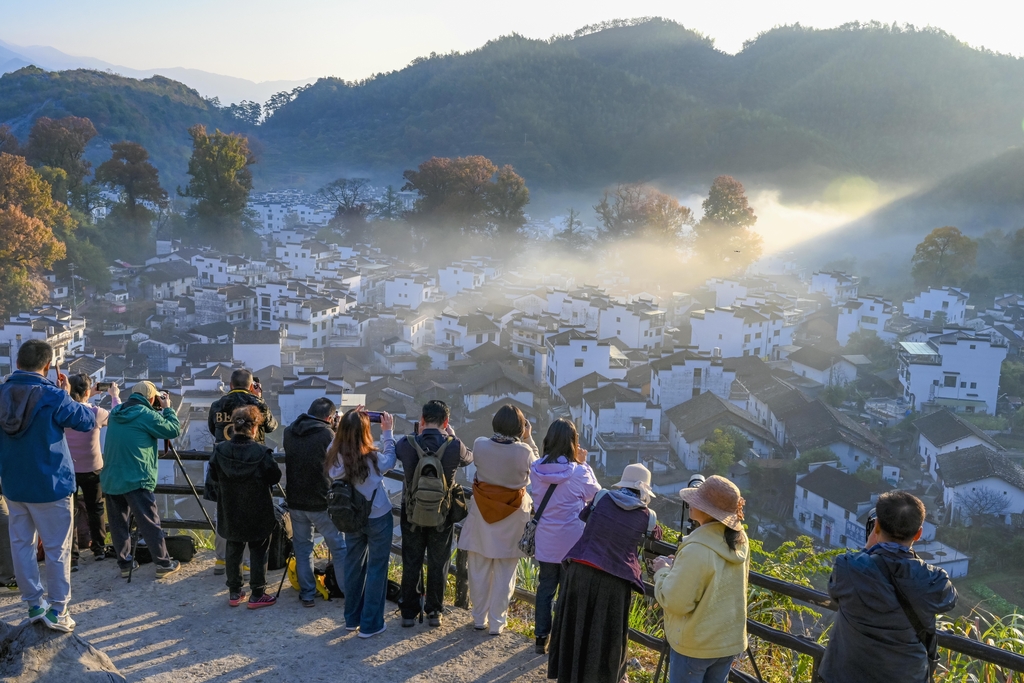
x: 926, y: 635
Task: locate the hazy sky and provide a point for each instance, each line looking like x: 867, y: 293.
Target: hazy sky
x: 282, y: 39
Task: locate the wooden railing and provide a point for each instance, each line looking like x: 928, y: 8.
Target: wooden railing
x: 971, y: 648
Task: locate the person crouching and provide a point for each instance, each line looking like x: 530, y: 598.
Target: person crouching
x: 239, y: 478
x: 588, y: 641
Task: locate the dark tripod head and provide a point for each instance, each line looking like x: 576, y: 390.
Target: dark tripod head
x: 687, y: 525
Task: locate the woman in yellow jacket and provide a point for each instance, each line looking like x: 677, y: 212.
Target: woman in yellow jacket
x: 703, y: 587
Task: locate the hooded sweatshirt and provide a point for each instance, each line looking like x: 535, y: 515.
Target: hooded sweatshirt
x: 130, y: 455
x: 35, y: 464
x: 704, y: 594
x: 560, y: 526
x: 242, y: 472
x: 305, y: 451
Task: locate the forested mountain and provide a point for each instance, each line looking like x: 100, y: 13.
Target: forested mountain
x: 619, y: 102
x: 155, y: 112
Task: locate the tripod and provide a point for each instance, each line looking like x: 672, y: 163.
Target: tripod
x: 132, y: 523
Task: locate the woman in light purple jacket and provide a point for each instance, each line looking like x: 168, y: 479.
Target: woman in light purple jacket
x: 565, y: 467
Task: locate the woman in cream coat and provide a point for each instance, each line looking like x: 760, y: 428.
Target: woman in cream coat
x: 498, y: 511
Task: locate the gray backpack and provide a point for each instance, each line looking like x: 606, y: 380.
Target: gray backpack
x: 427, y: 499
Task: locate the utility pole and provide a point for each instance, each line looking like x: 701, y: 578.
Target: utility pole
x: 74, y: 296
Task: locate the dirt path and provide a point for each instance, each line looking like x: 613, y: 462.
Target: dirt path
x: 182, y: 630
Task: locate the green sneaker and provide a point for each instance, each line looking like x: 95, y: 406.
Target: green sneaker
x: 59, y: 622
x: 38, y: 612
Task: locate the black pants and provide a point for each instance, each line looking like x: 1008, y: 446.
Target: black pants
x: 547, y: 584
x: 437, y: 546
x: 259, y: 553
x: 142, y: 504
x: 92, y: 496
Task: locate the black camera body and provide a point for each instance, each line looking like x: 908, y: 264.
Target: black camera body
x: 686, y: 525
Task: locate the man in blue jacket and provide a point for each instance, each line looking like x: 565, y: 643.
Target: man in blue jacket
x: 39, y: 479
x: 888, y: 599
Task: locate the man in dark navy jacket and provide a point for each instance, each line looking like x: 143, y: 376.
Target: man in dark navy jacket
x: 874, y: 638
x: 39, y: 479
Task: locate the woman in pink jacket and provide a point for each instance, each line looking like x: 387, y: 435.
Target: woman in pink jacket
x: 564, y: 467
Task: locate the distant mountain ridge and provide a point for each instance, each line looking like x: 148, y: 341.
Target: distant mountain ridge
x: 229, y: 89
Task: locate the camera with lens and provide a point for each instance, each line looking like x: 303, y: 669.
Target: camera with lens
x: 687, y: 525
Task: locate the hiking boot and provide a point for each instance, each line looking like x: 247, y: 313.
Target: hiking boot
x: 434, y: 619
x: 408, y: 623
x: 38, y: 612
x: 375, y: 633
x: 126, y: 571
x: 307, y: 603
x: 235, y: 597
x: 219, y: 568
x: 59, y: 622
x: 265, y: 600
x: 542, y: 645
x: 161, y: 572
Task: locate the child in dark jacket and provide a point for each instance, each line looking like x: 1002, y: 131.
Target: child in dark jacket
x: 240, y: 478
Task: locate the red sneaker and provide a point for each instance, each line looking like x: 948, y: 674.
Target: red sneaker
x: 235, y: 598
x: 265, y: 600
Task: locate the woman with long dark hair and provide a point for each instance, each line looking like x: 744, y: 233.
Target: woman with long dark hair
x: 353, y: 456
x: 499, y: 510
x: 564, y: 467
x: 703, y: 588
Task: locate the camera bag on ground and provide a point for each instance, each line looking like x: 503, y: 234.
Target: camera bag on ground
x: 280, y: 540
x: 347, y: 508
x: 331, y: 582
x: 428, y: 497
x: 181, y: 548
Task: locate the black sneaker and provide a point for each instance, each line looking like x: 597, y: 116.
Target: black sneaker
x: 434, y: 619
x: 307, y: 603
x: 542, y: 645
x: 99, y: 555
x: 126, y: 571
x: 408, y: 623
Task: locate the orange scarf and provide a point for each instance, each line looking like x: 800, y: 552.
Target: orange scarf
x: 494, y: 502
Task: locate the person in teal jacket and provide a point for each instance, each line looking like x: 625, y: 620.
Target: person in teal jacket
x: 130, y: 471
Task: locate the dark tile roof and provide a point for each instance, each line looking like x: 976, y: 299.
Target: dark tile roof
x: 573, y: 391
x: 781, y: 398
x: 944, y: 427
x: 257, y: 336
x: 819, y: 425
x: 210, y: 353
x: 477, y: 323
x: 815, y: 358
x: 845, y: 490
x: 482, y: 376
x: 491, y: 351
x: 977, y: 463
x: 610, y: 394
x: 701, y: 415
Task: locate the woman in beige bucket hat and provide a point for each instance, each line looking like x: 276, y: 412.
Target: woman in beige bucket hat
x: 703, y: 588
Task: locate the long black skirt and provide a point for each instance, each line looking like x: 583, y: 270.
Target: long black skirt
x: 588, y: 639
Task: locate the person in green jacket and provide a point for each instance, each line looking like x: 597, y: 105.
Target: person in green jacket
x: 130, y: 471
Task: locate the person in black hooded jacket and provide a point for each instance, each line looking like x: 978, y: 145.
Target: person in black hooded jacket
x: 305, y: 453
x: 240, y: 477
x: 873, y: 639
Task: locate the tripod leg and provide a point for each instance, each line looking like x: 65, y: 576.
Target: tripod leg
x: 133, y: 534
x: 168, y: 446
x: 284, y: 574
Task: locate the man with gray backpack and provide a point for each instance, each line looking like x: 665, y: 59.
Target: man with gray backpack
x: 429, y: 460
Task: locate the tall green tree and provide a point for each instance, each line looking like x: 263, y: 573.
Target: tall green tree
x: 945, y: 257
x: 61, y: 144
x: 137, y: 182
x: 220, y: 185
x: 29, y: 219
x: 507, y: 198
x: 637, y: 210
x: 9, y: 142
x: 389, y: 206
x: 718, y: 452
x: 723, y: 236
x: 572, y: 237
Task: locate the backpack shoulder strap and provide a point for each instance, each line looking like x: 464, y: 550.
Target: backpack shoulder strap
x: 599, y: 495
x: 440, y: 451
x: 652, y: 521
x: 417, y: 447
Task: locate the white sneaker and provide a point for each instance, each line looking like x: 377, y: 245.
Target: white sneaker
x: 59, y: 622
x: 376, y: 633
x: 38, y: 612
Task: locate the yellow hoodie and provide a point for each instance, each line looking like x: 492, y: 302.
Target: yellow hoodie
x: 704, y: 595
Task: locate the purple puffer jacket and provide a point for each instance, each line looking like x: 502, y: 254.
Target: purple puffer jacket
x: 560, y: 526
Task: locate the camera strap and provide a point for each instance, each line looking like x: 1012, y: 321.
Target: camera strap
x: 924, y: 634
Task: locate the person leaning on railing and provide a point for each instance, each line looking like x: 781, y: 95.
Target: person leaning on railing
x: 498, y: 511
x: 588, y: 641
x: 702, y: 589
x: 888, y: 598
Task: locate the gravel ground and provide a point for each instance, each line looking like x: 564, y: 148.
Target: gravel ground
x: 182, y: 630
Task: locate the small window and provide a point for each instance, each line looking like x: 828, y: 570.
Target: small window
x: 805, y: 494
x: 578, y: 363
x: 479, y: 339
x: 757, y: 336
x: 583, y: 348
x: 927, y: 314
x: 846, y: 514
x: 824, y: 504
x: 963, y: 385
x: 949, y: 381
x: 974, y: 385
x: 842, y: 540
x: 746, y: 339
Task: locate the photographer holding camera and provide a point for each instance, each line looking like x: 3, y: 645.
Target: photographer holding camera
x: 305, y: 451
x: 888, y: 599
x: 245, y: 391
x: 130, y: 472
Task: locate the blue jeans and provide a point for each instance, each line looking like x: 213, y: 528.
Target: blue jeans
x: 547, y: 584
x: 303, y: 523
x: 683, y: 669
x: 366, y: 574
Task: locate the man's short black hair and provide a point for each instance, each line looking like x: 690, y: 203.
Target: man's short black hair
x: 436, y: 412
x: 34, y: 355
x: 322, y: 408
x: 900, y: 515
x: 241, y: 379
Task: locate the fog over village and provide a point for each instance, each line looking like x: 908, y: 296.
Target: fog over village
x: 807, y: 296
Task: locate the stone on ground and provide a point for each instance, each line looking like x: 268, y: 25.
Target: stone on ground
x: 33, y: 653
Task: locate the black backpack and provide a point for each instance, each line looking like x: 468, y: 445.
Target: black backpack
x: 347, y: 508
